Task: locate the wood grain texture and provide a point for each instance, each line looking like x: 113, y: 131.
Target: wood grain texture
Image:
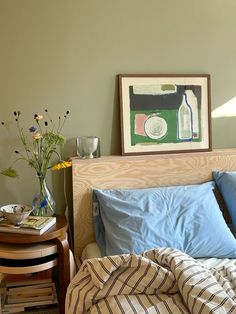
x: 28, y: 269
x: 27, y: 251
x: 137, y: 172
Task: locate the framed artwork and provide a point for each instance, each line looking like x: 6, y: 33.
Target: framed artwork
x: 164, y: 113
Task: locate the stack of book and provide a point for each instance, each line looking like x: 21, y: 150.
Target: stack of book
x: 36, y: 296
x: 34, y: 225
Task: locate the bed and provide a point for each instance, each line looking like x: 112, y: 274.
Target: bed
x: 161, y: 279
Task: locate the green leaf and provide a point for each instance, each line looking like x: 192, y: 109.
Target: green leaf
x: 10, y: 172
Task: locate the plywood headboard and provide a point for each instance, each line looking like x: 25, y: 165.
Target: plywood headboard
x: 137, y: 172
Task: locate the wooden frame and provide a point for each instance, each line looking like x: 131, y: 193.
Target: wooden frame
x: 137, y: 172
x: 164, y: 113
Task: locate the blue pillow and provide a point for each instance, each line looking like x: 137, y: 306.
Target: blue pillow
x: 184, y: 217
x: 226, y: 182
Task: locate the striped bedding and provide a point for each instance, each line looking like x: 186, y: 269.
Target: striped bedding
x: 157, y: 281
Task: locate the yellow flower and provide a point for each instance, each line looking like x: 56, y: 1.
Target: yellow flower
x: 37, y: 136
x: 62, y: 165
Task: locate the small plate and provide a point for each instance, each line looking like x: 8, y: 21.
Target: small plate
x: 155, y: 127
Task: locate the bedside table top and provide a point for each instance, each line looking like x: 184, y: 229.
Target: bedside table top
x: 57, y: 230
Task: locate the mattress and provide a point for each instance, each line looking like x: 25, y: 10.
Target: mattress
x: 92, y: 250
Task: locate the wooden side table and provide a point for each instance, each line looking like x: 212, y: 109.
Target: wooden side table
x: 57, y: 234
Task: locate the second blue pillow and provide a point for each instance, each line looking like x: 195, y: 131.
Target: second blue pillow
x: 226, y: 182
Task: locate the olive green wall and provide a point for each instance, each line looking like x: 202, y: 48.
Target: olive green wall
x: 65, y: 55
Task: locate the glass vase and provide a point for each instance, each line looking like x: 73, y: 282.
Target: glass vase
x: 43, y: 201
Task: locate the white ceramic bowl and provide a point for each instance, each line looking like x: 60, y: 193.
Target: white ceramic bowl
x: 15, y: 213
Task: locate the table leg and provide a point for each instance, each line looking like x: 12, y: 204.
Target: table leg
x: 63, y: 268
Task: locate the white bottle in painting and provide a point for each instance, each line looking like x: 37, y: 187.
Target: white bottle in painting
x: 185, y: 131
x: 192, y: 102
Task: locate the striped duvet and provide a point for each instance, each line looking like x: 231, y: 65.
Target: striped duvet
x: 158, y: 281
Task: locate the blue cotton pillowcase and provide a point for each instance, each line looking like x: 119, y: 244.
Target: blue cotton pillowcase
x: 185, y: 217
x: 226, y: 183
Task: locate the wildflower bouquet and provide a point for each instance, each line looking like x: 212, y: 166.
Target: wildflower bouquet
x: 37, y: 151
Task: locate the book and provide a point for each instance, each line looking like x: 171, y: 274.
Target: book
x: 28, y: 283
x: 14, y: 310
x: 35, y: 225
x: 27, y: 306
x: 42, y: 309
x: 30, y: 289
x: 46, y: 310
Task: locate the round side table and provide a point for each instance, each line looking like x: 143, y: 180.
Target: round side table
x: 44, y: 244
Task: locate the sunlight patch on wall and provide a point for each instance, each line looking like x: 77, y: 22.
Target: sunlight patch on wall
x: 226, y: 110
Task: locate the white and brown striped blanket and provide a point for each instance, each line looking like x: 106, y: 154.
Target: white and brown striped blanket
x: 158, y: 281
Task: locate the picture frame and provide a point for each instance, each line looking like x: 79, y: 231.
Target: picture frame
x: 164, y: 113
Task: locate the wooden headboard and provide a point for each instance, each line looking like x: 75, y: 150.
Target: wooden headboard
x: 137, y: 172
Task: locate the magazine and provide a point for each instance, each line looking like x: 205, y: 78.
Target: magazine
x: 35, y: 225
